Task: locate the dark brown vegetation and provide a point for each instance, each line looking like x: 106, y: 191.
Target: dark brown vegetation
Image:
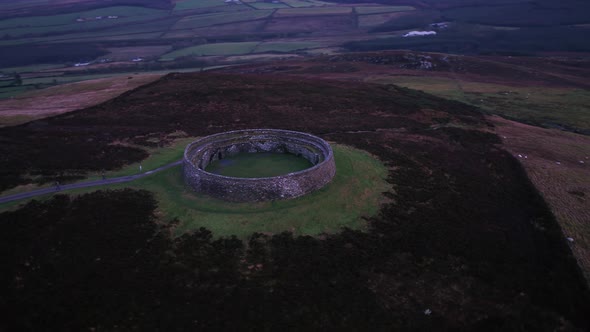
x: 505, y: 70
x: 497, y: 74
x: 464, y: 235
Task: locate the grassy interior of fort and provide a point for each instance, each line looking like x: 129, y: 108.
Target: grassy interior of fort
x: 258, y: 165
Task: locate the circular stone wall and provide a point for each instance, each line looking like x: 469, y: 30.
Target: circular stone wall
x: 200, y: 153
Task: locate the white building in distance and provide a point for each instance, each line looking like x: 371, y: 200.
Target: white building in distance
x: 419, y: 33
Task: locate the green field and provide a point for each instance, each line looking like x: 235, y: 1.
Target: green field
x: 105, y: 36
x: 315, y: 11
x: 268, y: 5
x: 356, y: 191
x: 299, y: 3
x: 198, y: 21
x: 198, y: 4
x: 365, y: 10
x: 66, y: 79
x: 237, y: 49
x: 258, y: 165
x: 189, y: 19
x: 31, y: 68
x: 129, y: 21
x: 139, y: 30
x: 10, y: 92
x: 212, y: 49
x: 284, y: 46
x: 124, y: 12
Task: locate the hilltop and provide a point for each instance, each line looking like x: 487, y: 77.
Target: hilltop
x: 464, y: 242
x: 463, y: 220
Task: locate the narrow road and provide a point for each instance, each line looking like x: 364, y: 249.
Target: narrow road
x: 95, y: 183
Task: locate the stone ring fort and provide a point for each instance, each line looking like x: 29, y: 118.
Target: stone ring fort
x: 202, y: 152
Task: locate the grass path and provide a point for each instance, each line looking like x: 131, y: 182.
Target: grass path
x: 86, y: 184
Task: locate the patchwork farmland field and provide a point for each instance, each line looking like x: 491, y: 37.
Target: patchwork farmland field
x: 197, y: 4
x: 212, y: 49
x: 267, y: 5
x: 284, y: 46
x: 75, y: 45
x: 133, y: 26
x: 247, y: 28
x: 238, y: 49
x: 89, y: 40
x: 302, y: 3
x: 199, y: 21
x: 190, y: 23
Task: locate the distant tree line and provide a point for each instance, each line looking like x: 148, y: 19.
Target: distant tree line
x: 23, y: 55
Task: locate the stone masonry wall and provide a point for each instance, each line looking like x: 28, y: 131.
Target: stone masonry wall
x: 200, y: 153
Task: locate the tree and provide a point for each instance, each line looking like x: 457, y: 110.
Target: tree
x: 18, y: 81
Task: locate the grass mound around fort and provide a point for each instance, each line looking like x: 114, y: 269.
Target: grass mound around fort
x: 355, y: 192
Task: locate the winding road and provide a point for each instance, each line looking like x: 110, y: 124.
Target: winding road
x: 87, y: 184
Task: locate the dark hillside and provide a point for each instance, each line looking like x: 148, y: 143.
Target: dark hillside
x: 465, y: 242
x: 68, y: 146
